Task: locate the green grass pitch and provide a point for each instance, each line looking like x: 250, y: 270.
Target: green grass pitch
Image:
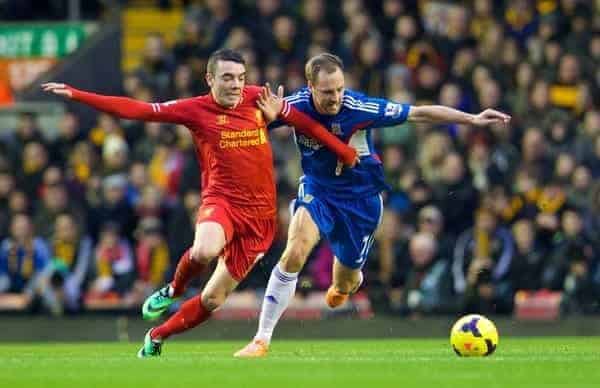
x: 572, y: 362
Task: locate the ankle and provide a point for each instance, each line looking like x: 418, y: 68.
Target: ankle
x: 265, y: 338
x: 174, y: 292
x: 285, y: 273
x: 155, y: 337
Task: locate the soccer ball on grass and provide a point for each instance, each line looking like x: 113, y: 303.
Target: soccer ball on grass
x: 474, y: 336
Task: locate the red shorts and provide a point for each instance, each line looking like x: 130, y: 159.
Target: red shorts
x: 247, y: 238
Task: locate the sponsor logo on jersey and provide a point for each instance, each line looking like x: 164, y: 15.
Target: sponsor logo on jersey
x: 244, y: 138
x: 260, y: 118
x: 308, y: 142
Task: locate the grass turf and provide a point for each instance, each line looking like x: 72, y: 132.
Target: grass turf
x: 572, y: 362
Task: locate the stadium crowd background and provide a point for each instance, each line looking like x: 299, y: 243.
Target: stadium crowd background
x: 102, y: 214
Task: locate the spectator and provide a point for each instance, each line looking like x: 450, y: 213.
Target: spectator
x: 69, y: 133
x: 113, y: 266
x: 180, y: 231
x: 71, y: 261
x: 389, y: 268
x: 34, y: 160
x: 152, y: 260
x: 115, y: 155
x: 166, y: 166
x: 145, y: 147
x: 456, y: 195
x: 25, y: 269
x: 428, y: 287
x: 530, y: 258
x: 27, y: 131
x: 581, y: 189
x: 157, y: 66
x: 138, y: 180
x: 106, y: 126
x: 481, y: 267
x: 113, y: 208
x: 588, y: 130
x: 573, y: 257
x: 431, y: 221
x: 55, y: 201
x: 7, y: 185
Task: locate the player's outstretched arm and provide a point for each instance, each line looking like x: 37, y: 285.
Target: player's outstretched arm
x: 439, y: 114
x: 274, y: 106
x: 123, y: 107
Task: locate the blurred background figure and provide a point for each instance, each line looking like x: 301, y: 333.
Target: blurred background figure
x: 25, y: 269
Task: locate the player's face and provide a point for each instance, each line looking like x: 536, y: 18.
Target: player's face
x: 328, y: 92
x: 227, y: 82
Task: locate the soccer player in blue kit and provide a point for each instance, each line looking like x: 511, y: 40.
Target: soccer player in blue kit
x: 343, y: 206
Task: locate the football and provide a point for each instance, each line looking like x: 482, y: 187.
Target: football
x: 474, y: 336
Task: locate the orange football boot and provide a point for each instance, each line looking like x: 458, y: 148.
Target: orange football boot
x: 255, y: 349
x: 334, y: 298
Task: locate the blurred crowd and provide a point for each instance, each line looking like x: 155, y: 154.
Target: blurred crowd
x: 476, y: 219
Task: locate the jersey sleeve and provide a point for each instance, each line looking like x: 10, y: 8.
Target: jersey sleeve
x: 297, y: 100
x: 382, y: 112
x: 176, y: 111
x: 252, y: 91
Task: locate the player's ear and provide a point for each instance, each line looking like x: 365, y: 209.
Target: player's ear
x: 209, y: 79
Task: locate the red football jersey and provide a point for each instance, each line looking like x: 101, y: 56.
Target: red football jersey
x: 232, y: 145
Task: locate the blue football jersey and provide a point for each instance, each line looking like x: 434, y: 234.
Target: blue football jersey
x: 353, y: 124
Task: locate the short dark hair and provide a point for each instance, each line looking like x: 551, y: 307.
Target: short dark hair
x: 325, y: 61
x: 224, y: 54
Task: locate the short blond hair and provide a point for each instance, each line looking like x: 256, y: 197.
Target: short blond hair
x: 325, y: 61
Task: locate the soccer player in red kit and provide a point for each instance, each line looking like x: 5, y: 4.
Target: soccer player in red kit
x: 237, y: 218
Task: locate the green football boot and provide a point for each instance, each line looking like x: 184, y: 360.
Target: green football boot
x: 150, y: 348
x: 157, y: 303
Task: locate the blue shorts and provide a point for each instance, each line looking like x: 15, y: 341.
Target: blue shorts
x: 348, y: 224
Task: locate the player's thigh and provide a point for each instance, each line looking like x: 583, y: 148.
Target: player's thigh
x: 214, y: 227
x: 252, y: 240
x: 218, y: 287
x: 303, y: 235
x: 345, y: 279
x: 209, y: 241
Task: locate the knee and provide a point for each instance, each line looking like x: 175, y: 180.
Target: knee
x: 213, y: 300
x: 204, y: 253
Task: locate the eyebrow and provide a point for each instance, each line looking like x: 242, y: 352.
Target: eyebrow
x: 233, y: 75
x: 329, y: 89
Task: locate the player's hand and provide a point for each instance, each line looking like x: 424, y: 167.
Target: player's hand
x: 340, y: 164
x: 489, y: 117
x: 59, y: 89
x: 269, y: 103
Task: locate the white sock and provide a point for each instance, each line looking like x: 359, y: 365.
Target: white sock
x: 280, y: 290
